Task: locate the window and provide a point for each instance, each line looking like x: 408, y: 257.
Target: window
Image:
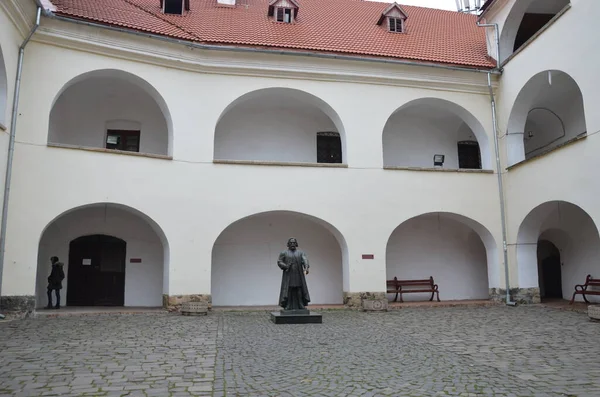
x: 395, y: 24
x: 329, y: 147
x: 469, y: 156
x: 173, y: 7
x: 127, y: 140
x: 284, y: 15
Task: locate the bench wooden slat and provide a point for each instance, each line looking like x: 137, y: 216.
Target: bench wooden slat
x: 396, y: 286
x: 581, y: 289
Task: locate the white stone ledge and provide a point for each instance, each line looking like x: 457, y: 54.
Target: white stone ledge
x: 279, y: 163
x: 548, y: 151
x: 432, y: 169
x: 111, y: 151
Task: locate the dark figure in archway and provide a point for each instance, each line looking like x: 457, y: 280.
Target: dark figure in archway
x: 294, y: 291
x: 57, y: 275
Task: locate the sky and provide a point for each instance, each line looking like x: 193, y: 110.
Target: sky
x: 443, y: 4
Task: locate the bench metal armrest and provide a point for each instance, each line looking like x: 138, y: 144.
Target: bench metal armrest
x: 582, y: 287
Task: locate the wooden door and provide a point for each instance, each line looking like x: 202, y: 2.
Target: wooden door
x: 96, y: 271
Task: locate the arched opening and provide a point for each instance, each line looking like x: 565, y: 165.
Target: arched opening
x: 244, y: 259
x: 96, y: 271
x: 428, y: 127
x: 280, y: 125
x: 547, y: 113
x: 549, y: 270
x: 114, y: 110
x: 3, y: 90
x: 113, y: 255
x: 459, y: 253
x: 526, y: 19
x: 557, y: 247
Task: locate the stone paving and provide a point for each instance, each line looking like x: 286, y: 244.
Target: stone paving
x: 460, y: 351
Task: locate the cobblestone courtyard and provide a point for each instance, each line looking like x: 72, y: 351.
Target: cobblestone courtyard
x: 493, y: 351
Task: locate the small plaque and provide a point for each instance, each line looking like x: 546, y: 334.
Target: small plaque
x: 86, y: 262
x: 135, y: 260
x: 368, y: 256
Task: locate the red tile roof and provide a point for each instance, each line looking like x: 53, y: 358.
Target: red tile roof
x: 335, y: 26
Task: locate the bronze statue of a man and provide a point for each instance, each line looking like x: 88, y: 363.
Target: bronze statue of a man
x: 294, y: 263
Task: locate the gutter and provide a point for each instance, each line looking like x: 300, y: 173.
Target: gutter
x: 11, y: 142
x: 212, y: 47
x: 509, y: 302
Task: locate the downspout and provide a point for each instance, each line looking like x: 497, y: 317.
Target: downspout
x: 11, y: 143
x: 498, y: 165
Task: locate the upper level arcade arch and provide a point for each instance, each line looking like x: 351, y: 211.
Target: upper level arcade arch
x: 280, y: 125
x: 525, y: 19
x: 114, y: 110
x: 547, y: 113
x: 426, y: 127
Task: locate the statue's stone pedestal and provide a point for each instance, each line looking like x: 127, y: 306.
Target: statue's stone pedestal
x: 296, y: 317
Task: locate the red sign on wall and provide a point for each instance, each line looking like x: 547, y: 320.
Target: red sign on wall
x: 368, y: 256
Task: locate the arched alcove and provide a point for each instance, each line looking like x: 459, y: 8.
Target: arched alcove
x: 459, y: 253
x: 80, y: 238
x: 244, y: 259
x: 571, y: 231
x: 280, y: 125
x: 547, y: 113
x: 114, y: 110
x: 425, y: 127
x: 525, y: 20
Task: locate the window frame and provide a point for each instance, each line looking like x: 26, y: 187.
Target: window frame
x: 396, y: 21
x: 123, y: 135
x: 285, y: 11
x: 328, y: 135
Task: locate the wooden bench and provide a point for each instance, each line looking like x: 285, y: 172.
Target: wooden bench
x: 583, y: 289
x: 400, y: 287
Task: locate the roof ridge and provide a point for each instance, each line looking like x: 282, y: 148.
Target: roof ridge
x: 163, y: 19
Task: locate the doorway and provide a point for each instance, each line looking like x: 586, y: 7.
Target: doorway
x: 96, y: 271
x: 549, y: 270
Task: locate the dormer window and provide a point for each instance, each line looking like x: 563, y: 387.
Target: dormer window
x: 174, y: 7
x: 285, y: 11
x: 395, y: 24
x: 284, y: 15
x: 395, y: 17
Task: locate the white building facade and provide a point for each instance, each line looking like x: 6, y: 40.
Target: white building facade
x: 161, y: 172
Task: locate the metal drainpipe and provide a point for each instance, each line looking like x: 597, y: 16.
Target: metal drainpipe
x: 509, y: 302
x: 11, y: 143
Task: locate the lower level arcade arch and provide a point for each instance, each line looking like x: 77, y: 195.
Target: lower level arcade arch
x: 113, y: 255
x: 244, y: 259
x: 557, y: 247
x: 456, y: 251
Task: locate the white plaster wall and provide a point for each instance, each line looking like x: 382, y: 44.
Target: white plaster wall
x: 568, y: 173
x: 143, y: 281
x: 432, y: 245
x: 244, y: 260
x: 84, y: 112
x: 194, y: 200
x: 271, y: 129
x: 411, y: 140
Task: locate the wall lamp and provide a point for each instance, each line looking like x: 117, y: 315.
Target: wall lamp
x: 438, y: 160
